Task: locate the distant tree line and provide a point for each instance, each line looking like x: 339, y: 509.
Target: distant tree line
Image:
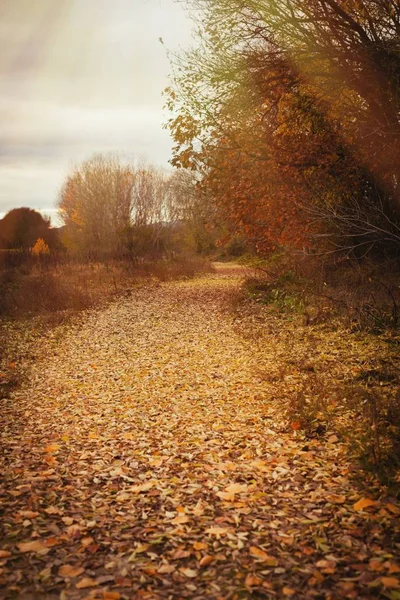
x: 111, y: 208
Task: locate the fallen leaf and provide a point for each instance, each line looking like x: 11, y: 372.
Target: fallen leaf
x: 271, y: 561
x: 35, y: 546
x: 336, y: 498
x: 236, y: 488
x: 86, y: 582
x: 217, y: 531
x: 52, y: 448
x: 191, y: 573
x: 29, y: 514
x: 390, y: 582
x: 252, y: 580
x: 144, y: 487
x: 52, y: 510
x: 200, y: 546
x: 207, y: 560
x: 70, y: 571
x: 180, y: 520
x: 166, y: 569
x: 4, y: 554
x: 363, y: 503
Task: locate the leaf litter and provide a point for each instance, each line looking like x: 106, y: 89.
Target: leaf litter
x: 147, y: 458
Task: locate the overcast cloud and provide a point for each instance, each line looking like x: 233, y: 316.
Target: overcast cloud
x: 79, y: 77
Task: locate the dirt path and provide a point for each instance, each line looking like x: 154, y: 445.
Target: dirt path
x: 143, y: 461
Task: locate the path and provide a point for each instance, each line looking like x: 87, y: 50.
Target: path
x: 142, y: 462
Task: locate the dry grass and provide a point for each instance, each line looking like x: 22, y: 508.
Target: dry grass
x: 334, y: 330
x: 71, y: 287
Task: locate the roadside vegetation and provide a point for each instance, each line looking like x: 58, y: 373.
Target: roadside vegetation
x: 288, y: 112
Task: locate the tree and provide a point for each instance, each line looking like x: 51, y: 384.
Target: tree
x: 21, y: 227
x: 281, y: 108
x: 40, y: 248
x: 95, y: 205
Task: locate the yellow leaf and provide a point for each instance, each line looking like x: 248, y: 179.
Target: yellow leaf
x: 142, y: 548
x: 363, y: 503
x: 70, y: 571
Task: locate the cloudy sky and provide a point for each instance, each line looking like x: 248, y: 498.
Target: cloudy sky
x: 79, y: 77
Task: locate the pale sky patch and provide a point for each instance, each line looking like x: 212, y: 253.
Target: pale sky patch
x: 79, y: 77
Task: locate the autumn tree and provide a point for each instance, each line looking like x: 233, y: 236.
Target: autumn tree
x: 282, y: 108
x: 95, y: 204
x: 116, y: 208
x: 20, y: 228
x: 40, y: 248
x: 191, y: 209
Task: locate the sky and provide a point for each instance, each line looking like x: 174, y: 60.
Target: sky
x: 79, y: 77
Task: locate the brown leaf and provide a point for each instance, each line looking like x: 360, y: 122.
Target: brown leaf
x: 200, y: 546
x: 74, y: 532
x: 191, y: 573
x: 271, y: 561
x: 180, y: 520
x: 252, y: 580
x: 52, y: 510
x: 144, y: 487
x: 336, y: 498
x: 217, y: 531
x: 166, y: 569
x: 34, y: 546
x: 70, y: 571
x: 4, y: 554
x: 28, y: 514
x: 123, y: 581
x: 207, y: 560
x: 390, y: 582
x: 236, y: 488
x: 86, y: 582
